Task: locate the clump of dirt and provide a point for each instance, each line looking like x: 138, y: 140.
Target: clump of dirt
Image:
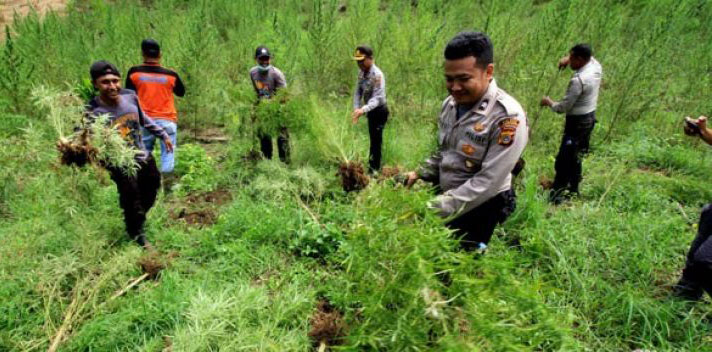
x: 327, y: 326
x: 77, y: 152
x: 152, y: 264
x: 353, y: 177
x: 217, y: 197
x: 252, y: 156
x: 201, y: 209
x: 198, y: 218
x: 389, y: 172
x: 168, y: 343
x: 545, y: 182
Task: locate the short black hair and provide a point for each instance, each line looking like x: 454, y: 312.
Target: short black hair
x: 475, y: 44
x: 150, y: 48
x: 366, y: 50
x: 582, y: 51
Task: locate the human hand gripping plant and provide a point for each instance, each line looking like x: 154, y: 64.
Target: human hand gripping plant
x: 97, y: 142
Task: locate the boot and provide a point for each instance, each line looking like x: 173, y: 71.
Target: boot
x: 557, y: 196
x: 143, y: 242
x: 689, y: 287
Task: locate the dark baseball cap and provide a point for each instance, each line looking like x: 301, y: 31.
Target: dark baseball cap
x: 150, y: 48
x: 262, y: 51
x: 362, y: 52
x: 101, y: 68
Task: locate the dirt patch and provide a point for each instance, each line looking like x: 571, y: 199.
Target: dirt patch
x: 327, y: 326
x: 198, y: 218
x: 252, y: 156
x: 152, y: 264
x: 168, y: 344
x: 200, y: 209
x: 8, y: 8
x: 389, y: 172
x: 655, y: 171
x: 353, y: 177
x: 217, y: 197
x: 209, y: 135
x: 545, y: 182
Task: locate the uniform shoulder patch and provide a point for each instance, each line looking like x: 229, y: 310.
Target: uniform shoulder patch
x: 511, y: 106
x: 377, y: 79
x: 507, y: 130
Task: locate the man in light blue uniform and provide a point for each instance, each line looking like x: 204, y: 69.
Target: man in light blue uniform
x: 579, y: 105
x: 370, y: 99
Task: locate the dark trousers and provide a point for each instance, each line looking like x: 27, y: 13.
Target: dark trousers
x: 282, y: 145
x: 478, y: 224
x: 377, y: 119
x: 574, y: 144
x: 697, y: 275
x: 137, y: 195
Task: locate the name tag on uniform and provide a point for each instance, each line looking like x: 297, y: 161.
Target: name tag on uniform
x: 476, y: 138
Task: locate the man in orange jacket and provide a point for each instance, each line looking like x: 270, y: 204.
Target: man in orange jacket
x: 155, y: 87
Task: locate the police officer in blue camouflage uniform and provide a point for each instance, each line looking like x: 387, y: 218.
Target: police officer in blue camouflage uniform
x: 370, y: 99
x: 482, y: 134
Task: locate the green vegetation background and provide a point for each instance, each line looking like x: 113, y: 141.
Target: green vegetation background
x: 589, y: 275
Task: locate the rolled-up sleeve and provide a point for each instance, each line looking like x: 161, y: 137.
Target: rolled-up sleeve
x: 572, y: 94
x: 497, y: 165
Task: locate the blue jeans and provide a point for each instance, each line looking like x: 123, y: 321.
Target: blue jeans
x: 167, y: 159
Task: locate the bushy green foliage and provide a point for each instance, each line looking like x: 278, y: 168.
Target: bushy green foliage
x: 589, y: 275
x: 283, y: 111
x: 197, y: 170
x: 316, y: 240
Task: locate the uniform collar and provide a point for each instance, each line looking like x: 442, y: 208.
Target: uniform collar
x: 587, y: 65
x: 370, y: 71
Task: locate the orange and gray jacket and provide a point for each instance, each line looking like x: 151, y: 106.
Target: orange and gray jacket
x: 477, y: 151
x: 155, y: 86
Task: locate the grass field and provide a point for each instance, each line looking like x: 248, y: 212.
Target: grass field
x: 257, y: 254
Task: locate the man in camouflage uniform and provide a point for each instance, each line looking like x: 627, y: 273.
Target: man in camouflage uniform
x: 370, y: 99
x: 482, y: 134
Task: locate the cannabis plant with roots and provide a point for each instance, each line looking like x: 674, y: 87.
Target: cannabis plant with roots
x: 97, y: 142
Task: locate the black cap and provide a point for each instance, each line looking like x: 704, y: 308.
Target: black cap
x: 101, y: 67
x: 262, y: 51
x: 362, y: 52
x: 150, y: 48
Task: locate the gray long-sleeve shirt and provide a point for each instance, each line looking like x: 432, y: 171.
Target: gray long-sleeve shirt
x: 371, y: 89
x: 582, y: 95
x: 477, y: 151
x: 127, y: 117
x: 268, y: 82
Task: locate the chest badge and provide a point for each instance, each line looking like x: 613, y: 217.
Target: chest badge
x: 479, y: 127
x: 468, y: 149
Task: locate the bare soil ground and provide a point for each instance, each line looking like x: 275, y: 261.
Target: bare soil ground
x: 8, y: 8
